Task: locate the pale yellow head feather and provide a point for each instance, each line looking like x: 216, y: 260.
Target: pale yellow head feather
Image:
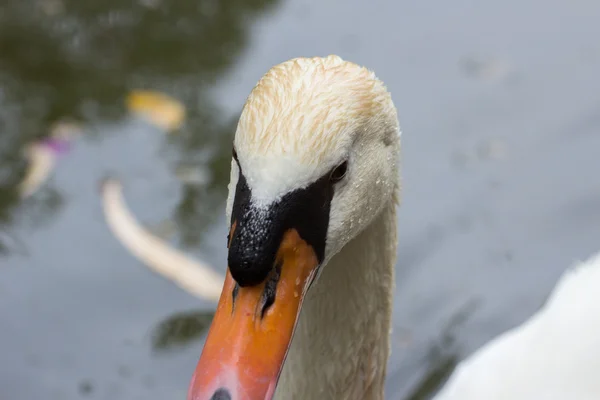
x: 300, y: 106
x: 302, y: 118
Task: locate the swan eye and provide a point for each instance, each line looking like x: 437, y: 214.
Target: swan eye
x: 234, y: 154
x: 338, y: 172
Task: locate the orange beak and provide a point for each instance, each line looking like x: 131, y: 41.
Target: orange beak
x: 253, y: 327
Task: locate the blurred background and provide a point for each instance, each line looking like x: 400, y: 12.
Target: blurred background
x: 499, y: 103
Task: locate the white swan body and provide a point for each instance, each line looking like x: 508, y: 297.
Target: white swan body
x: 554, y: 355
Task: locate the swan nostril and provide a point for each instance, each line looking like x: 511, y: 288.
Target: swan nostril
x: 221, y: 394
x: 268, y: 296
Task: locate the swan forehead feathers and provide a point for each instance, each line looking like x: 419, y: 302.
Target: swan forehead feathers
x: 301, y: 119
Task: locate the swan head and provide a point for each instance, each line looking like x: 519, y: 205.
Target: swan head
x: 315, y: 160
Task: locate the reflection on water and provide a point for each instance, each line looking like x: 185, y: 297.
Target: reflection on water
x: 442, y: 357
x: 439, y: 371
x: 181, y: 329
x: 68, y: 58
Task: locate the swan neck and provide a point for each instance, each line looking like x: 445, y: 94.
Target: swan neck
x: 342, y: 342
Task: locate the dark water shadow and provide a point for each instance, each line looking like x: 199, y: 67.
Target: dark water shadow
x: 443, y: 356
x: 180, y: 330
x: 439, y: 373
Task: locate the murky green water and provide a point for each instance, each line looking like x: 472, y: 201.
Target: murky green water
x: 499, y: 163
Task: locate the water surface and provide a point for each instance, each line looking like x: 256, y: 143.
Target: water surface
x: 499, y: 105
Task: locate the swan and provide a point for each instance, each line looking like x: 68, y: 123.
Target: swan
x: 305, y: 309
x: 312, y: 201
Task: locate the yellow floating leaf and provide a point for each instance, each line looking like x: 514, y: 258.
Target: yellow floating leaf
x: 160, y: 109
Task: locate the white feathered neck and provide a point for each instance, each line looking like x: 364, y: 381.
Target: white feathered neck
x: 341, y: 345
